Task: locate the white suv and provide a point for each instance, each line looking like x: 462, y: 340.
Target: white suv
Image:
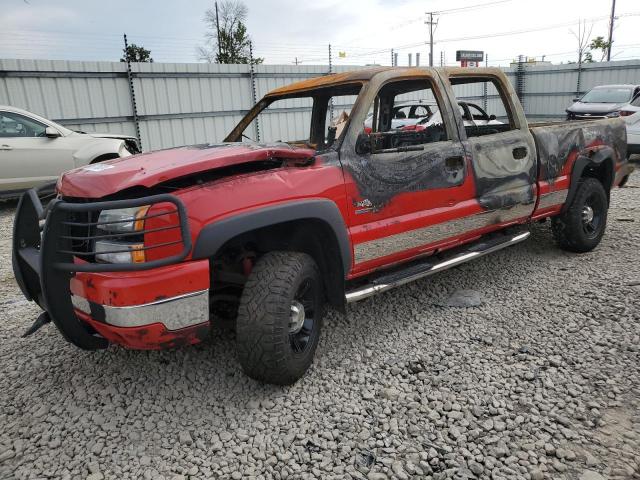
x: 34, y: 150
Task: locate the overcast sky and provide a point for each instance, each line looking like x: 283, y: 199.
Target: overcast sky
x: 283, y: 30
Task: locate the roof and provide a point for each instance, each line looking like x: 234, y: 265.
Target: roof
x: 328, y: 80
x: 368, y: 73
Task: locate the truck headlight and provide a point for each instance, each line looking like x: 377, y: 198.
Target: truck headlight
x: 613, y: 114
x: 122, y: 219
x: 109, y: 251
x: 126, y: 243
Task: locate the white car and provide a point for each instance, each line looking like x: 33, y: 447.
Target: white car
x: 630, y: 113
x: 407, y: 113
x: 472, y: 116
x: 34, y: 150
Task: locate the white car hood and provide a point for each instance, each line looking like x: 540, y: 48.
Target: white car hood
x: 111, y: 135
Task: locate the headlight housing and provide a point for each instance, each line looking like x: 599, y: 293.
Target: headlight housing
x: 121, y: 242
x: 613, y: 114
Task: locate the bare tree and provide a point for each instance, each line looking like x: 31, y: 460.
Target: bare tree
x: 227, y: 40
x: 582, y: 36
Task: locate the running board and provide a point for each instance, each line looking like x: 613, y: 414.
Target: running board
x: 421, y: 270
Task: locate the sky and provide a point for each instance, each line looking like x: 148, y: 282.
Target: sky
x: 288, y: 31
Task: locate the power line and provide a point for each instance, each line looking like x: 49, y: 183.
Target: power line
x: 470, y: 7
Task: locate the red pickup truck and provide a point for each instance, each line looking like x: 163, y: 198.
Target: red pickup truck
x: 150, y: 251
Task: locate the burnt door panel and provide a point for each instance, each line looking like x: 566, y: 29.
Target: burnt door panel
x: 405, y: 203
x: 504, y: 167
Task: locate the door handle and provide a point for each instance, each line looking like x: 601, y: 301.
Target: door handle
x: 6, y: 147
x: 520, y: 152
x: 454, y: 163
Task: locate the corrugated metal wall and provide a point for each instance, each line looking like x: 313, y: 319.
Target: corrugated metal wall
x: 181, y: 104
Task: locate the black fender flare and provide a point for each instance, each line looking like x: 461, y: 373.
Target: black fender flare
x: 213, y: 236
x: 585, y: 159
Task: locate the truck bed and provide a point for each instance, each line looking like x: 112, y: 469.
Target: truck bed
x: 560, y: 144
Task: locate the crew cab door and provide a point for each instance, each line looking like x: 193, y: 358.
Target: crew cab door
x: 406, y: 187
x: 503, y: 151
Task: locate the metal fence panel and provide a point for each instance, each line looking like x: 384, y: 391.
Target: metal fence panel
x: 182, y: 104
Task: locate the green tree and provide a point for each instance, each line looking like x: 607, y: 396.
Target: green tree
x: 599, y: 43
x: 227, y: 40
x: 134, y: 53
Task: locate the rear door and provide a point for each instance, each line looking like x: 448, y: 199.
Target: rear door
x: 503, y: 152
x: 407, y: 189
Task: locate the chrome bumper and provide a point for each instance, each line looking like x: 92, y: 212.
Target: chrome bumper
x: 174, y: 313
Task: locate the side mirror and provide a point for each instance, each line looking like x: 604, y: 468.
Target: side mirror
x: 576, y: 100
x: 51, y: 132
x: 492, y: 117
x: 363, y: 144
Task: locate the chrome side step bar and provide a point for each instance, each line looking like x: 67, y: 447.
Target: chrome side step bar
x: 416, y: 272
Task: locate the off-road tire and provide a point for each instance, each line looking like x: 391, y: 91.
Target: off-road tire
x: 265, y: 349
x: 569, y: 228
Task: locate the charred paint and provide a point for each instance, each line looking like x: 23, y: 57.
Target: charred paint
x: 560, y: 144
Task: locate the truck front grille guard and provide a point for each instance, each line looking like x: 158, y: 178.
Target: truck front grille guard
x: 43, y: 264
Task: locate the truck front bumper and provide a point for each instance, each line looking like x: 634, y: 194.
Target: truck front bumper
x: 159, y: 304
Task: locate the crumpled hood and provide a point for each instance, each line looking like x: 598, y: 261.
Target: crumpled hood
x: 149, y: 169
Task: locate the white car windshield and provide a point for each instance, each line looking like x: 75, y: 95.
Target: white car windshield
x: 608, y: 95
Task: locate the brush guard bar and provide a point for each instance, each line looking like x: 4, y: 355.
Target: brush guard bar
x: 44, y: 259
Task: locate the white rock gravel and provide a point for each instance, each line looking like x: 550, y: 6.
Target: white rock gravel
x: 540, y: 381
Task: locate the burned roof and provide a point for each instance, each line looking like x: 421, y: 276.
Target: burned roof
x: 368, y: 73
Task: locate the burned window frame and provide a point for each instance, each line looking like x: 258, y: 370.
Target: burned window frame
x: 321, y: 97
x: 459, y: 78
x: 430, y: 83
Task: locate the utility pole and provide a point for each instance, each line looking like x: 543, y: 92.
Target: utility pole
x: 613, y: 17
x: 392, y: 64
x: 432, y: 26
x: 218, y: 31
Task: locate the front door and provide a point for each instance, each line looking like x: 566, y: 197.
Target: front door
x: 409, y: 186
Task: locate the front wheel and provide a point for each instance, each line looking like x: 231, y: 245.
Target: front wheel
x: 581, y: 227
x: 279, y: 317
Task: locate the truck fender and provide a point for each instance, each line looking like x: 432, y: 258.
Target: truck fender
x: 603, y: 155
x: 215, y: 235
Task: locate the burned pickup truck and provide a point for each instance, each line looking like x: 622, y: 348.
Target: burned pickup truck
x: 151, y: 251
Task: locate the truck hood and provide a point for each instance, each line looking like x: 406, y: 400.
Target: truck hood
x: 150, y: 169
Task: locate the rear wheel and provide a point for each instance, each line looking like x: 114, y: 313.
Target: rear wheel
x: 280, y: 317
x: 581, y: 227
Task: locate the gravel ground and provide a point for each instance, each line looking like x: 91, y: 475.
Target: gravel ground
x: 541, y: 380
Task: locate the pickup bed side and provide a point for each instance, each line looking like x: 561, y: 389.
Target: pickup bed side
x: 568, y: 151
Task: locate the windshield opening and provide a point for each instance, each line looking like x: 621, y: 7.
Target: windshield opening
x: 313, y: 119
